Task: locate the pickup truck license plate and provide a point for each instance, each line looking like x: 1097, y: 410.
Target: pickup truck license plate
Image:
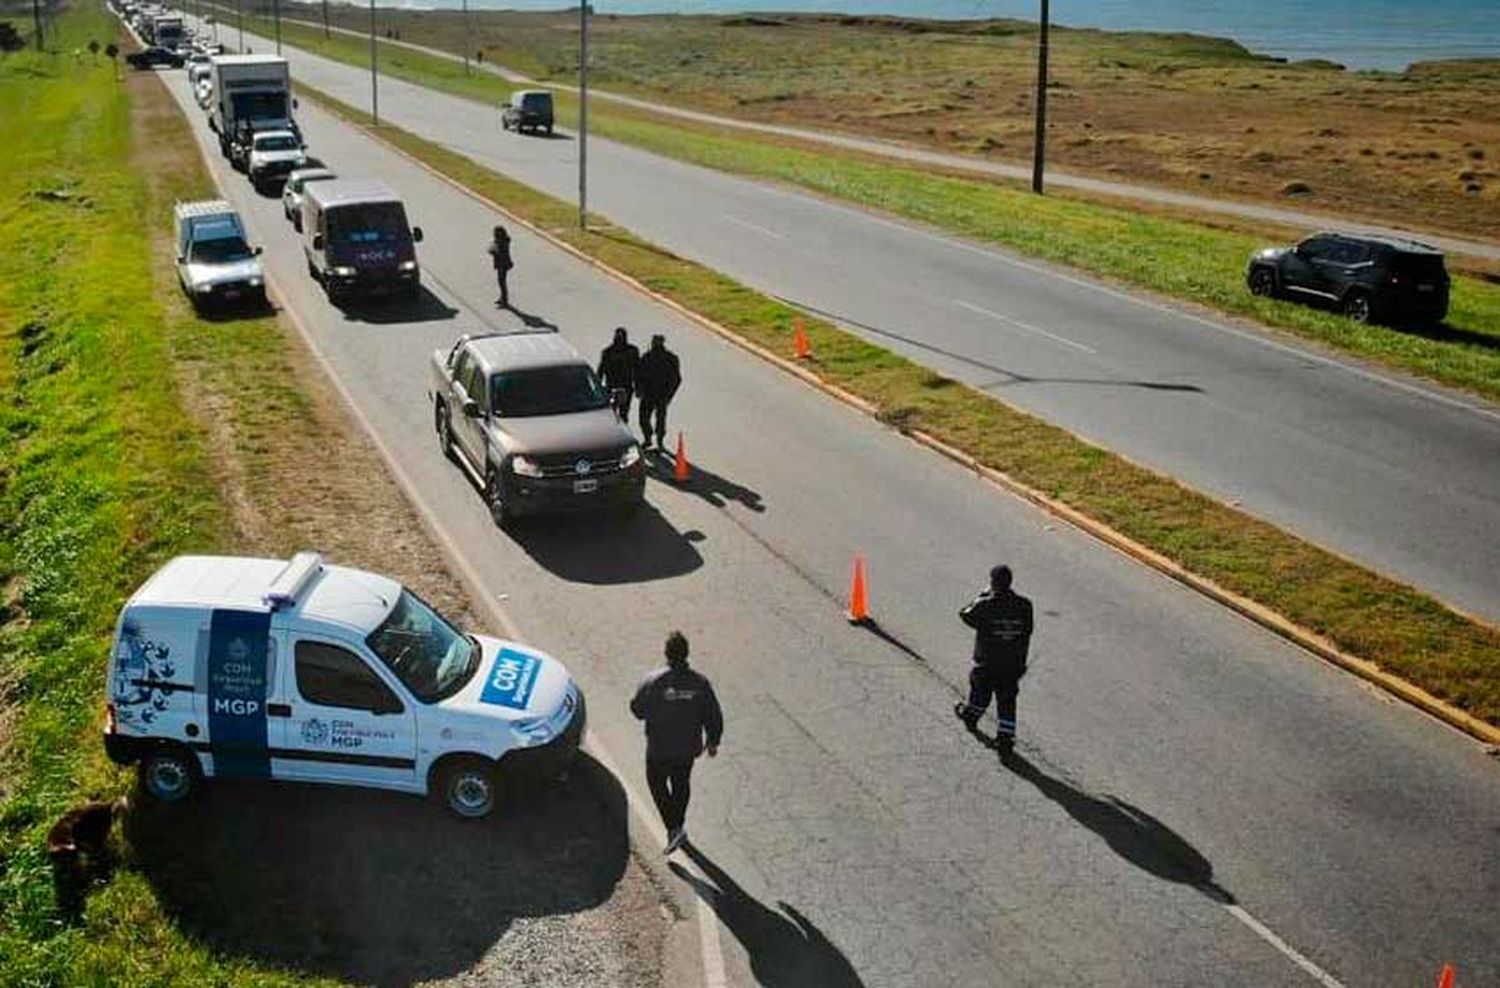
x: 232, y: 294
x: 585, y: 486
x: 1426, y: 288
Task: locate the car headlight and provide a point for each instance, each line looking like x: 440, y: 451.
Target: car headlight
x: 254, y: 282
x: 203, y: 289
x: 630, y: 457
x: 342, y: 272
x: 408, y: 266
x: 524, y: 467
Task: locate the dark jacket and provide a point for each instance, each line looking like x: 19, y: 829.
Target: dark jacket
x: 657, y: 376
x: 679, y: 708
x: 1002, y: 625
x: 500, y: 254
x: 617, y: 365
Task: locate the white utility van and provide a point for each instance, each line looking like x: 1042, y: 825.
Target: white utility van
x: 298, y: 670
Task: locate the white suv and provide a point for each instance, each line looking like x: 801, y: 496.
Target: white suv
x: 297, y: 670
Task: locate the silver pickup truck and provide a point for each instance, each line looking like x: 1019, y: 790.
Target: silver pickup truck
x: 524, y: 416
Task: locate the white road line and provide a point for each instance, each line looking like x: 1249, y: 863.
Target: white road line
x: 708, y: 927
x: 1027, y: 327
x: 1263, y: 931
x: 753, y: 226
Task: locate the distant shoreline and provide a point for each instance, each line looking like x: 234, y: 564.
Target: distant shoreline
x: 1304, y: 46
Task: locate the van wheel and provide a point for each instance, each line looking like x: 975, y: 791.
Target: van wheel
x: 444, y: 429
x: 168, y: 775
x: 1263, y: 282
x: 494, y: 498
x: 470, y: 789
x: 1357, y: 306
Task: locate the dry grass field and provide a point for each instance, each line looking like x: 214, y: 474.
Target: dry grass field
x: 1421, y: 148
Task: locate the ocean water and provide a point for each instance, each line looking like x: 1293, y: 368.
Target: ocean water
x: 1360, y: 34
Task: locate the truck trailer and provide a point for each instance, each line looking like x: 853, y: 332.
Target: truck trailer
x: 251, y: 93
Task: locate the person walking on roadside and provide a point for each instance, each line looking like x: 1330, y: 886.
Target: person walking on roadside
x: 657, y: 378
x: 683, y: 719
x: 1002, y: 623
x: 617, y: 365
x: 500, y: 257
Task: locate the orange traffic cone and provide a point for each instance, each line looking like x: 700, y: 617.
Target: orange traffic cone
x: 859, y: 603
x: 680, y: 472
x: 800, y: 346
x: 1445, y: 977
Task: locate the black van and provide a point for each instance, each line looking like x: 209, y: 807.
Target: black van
x: 357, y: 240
x: 528, y: 109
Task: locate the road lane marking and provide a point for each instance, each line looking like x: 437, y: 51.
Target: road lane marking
x: 1026, y: 327
x: 753, y: 226
x: 711, y: 948
x: 1269, y: 936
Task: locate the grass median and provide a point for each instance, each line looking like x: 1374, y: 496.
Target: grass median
x: 104, y: 474
x: 1402, y: 630
x: 1158, y: 250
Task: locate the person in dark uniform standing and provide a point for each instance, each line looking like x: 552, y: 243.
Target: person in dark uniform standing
x: 681, y: 714
x: 1002, y: 623
x: 500, y: 256
x: 617, y: 364
x: 657, y: 378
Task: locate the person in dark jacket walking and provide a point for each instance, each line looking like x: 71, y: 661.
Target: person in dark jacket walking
x: 500, y: 257
x: 681, y: 714
x: 1002, y: 623
x: 617, y: 366
x: 657, y: 378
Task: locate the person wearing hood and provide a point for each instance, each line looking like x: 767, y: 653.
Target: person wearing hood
x: 500, y: 257
x: 657, y: 378
x: 617, y: 367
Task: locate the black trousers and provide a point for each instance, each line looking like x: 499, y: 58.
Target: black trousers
x: 657, y: 408
x: 1003, y: 683
x: 500, y: 275
x: 671, y: 782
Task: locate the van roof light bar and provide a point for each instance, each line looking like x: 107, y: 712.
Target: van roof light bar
x: 300, y: 571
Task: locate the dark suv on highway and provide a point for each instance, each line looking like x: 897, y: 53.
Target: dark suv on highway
x: 1369, y: 279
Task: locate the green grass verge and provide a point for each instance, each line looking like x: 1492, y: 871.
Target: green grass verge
x: 103, y: 475
x: 1173, y: 256
x: 1404, y: 631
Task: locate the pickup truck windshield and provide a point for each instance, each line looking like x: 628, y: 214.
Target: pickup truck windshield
x: 430, y: 657
x: 223, y: 250
x: 283, y: 143
x: 547, y: 391
x: 368, y: 223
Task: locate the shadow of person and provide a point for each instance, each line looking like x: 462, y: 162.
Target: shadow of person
x: 1130, y: 831
x: 608, y: 547
x: 711, y: 487
x: 1445, y: 333
x: 374, y: 887
x: 424, y: 307
x: 531, y: 320
x: 786, y: 950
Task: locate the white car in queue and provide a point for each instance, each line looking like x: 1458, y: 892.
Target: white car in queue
x: 291, y: 193
x: 298, y: 670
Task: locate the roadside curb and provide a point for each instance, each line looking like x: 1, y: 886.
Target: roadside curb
x: 1265, y: 617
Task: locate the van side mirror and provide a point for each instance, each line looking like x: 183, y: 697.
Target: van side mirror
x: 259, y: 251
x: 471, y: 408
x: 416, y: 234
x: 317, y: 241
x: 295, y: 104
x: 181, y: 258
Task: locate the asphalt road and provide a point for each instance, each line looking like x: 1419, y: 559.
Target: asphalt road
x: 1184, y: 774
x: 1397, y: 475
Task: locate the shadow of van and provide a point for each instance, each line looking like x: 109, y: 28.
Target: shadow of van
x: 376, y: 887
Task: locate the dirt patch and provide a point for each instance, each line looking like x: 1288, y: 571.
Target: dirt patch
x: 370, y: 886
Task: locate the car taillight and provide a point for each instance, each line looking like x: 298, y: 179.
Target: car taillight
x: 109, y: 718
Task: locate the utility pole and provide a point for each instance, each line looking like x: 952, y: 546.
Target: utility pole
x: 374, y: 90
x: 239, y: 12
x: 36, y: 15
x: 1038, y: 161
x: 583, y: 114
x: 325, y: 19
x: 278, y: 25
x: 467, y: 36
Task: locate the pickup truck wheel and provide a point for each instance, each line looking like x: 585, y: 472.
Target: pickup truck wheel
x: 168, y: 775
x: 549, y: 130
x: 444, y: 429
x: 470, y: 789
x: 1357, y: 306
x: 494, y: 498
x: 1263, y: 282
